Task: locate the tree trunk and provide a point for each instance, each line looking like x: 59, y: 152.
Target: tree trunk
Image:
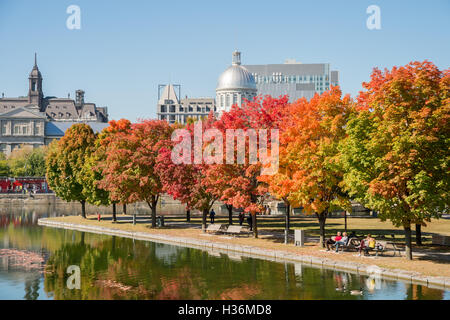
x: 254, y: 226
x: 114, y: 212
x: 345, y: 220
x: 322, y: 219
x: 408, y: 243
x: 124, y: 211
x: 230, y: 213
x: 287, y: 222
x: 418, y: 234
x: 153, y: 207
x: 188, y: 215
x: 83, y: 209
x: 205, y: 214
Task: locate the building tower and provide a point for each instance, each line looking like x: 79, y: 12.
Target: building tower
x: 235, y: 85
x: 35, y: 95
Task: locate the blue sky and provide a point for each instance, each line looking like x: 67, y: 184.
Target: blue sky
x: 126, y: 48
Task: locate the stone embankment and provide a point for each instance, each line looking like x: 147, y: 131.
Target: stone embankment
x: 256, y: 252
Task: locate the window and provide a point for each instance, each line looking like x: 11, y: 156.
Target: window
x: 21, y: 128
x: 37, y: 128
x: 163, y: 108
x: 234, y: 98
x: 172, y: 109
x: 227, y: 100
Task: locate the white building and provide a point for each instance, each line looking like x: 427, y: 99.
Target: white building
x: 173, y: 109
x: 235, y: 85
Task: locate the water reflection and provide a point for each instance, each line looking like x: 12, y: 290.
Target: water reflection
x: 119, y: 268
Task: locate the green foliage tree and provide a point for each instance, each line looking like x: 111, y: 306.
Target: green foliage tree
x: 27, y: 162
x: 396, y: 157
x: 4, y: 166
x: 65, y: 161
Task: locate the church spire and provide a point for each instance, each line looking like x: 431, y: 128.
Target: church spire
x: 35, y: 94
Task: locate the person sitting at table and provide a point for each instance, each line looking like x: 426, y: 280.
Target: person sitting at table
x: 331, y: 241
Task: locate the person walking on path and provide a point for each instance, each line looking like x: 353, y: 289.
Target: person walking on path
x: 241, y: 218
x: 250, y: 221
x: 212, y: 215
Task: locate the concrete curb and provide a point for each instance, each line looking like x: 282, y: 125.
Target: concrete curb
x: 256, y: 252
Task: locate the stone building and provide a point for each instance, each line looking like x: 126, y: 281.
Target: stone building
x: 31, y: 120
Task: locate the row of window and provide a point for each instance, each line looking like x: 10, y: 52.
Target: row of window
x: 57, y: 107
x: 181, y: 118
x: 23, y: 129
x: 172, y: 109
x: 229, y: 99
x: 279, y: 78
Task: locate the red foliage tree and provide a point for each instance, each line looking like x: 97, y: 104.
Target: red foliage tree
x: 241, y: 187
x: 130, y: 171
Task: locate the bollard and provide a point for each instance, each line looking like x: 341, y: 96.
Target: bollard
x: 134, y: 219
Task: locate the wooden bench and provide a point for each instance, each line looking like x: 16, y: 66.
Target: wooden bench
x: 237, y: 230
x: 216, y: 228
x: 352, y: 244
x: 380, y: 247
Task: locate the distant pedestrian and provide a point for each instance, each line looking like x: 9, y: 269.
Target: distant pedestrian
x: 212, y: 215
x: 250, y: 221
x: 241, y: 218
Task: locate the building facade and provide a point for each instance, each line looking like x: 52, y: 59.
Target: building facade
x: 173, y: 109
x: 295, y: 79
x: 235, y: 85
x: 31, y: 120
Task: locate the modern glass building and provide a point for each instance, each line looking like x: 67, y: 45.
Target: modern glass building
x: 293, y: 78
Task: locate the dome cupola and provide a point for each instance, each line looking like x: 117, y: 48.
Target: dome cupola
x: 236, y: 76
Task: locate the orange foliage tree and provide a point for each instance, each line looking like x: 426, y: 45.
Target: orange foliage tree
x: 310, y: 175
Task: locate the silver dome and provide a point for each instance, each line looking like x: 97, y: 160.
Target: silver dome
x: 236, y: 76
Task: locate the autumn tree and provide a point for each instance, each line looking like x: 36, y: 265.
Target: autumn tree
x: 65, y: 161
x: 129, y: 171
x: 243, y: 189
x: 310, y: 175
x: 183, y: 177
x: 95, y: 164
x: 396, y: 156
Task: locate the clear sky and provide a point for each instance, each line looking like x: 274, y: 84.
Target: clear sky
x: 124, y: 49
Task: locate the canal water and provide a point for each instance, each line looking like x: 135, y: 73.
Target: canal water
x: 34, y: 264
